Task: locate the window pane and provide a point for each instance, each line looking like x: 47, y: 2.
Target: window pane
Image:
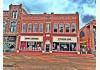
x: 4, y: 27
x: 67, y: 27
x: 35, y: 27
x: 41, y: 27
x: 61, y: 27
x: 24, y: 27
x: 29, y: 27
x: 55, y: 27
x: 47, y: 28
x: 13, y: 27
x: 15, y: 14
x: 73, y: 28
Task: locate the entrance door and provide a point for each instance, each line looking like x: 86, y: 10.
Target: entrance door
x: 47, y: 47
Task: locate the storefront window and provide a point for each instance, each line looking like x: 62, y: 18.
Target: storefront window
x: 48, y: 28
x: 67, y: 27
x: 55, y: 27
x: 24, y: 27
x: 13, y: 26
x: 64, y: 46
x: 73, y: 27
x: 55, y: 45
x: 61, y: 27
x: 35, y: 27
x: 9, y: 43
x: 41, y: 27
x: 32, y: 45
x: 30, y: 27
x: 4, y: 26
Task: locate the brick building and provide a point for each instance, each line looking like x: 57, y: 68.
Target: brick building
x: 88, y: 35
x: 40, y: 32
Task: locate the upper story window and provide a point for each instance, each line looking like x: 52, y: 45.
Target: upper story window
x: 24, y: 27
x: 41, y: 27
x: 48, y: 27
x: 30, y: 27
x: 67, y: 27
x: 55, y: 27
x: 13, y: 26
x: 61, y: 27
x: 4, y: 26
x: 35, y: 27
x: 15, y: 14
x: 74, y: 28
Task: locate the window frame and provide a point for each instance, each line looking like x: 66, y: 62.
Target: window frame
x: 62, y: 26
x: 48, y: 28
x: 13, y: 26
x: 15, y: 14
x: 67, y: 25
x: 74, y: 27
x: 24, y: 25
x: 35, y: 27
x: 4, y: 27
x: 55, y: 25
x: 30, y: 27
x: 41, y: 24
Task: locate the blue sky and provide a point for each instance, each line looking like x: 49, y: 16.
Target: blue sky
x: 86, y: 8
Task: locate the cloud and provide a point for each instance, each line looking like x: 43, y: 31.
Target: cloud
x: 87, y: 18
x: 86, y: 8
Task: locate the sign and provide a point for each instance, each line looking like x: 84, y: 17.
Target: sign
x: 64, y: 39
x: 11, y: 39
x: 32, y: 38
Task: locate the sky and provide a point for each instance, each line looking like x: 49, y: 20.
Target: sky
x: 86, y: 8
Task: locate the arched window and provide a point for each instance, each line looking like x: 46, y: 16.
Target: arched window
x: 74, y: 28
x: 13, y: 26
x: 24, y: 27
x: 67, y: 27
x: 4, y: 26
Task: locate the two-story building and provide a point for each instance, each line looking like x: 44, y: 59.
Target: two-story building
x: 41, y: 32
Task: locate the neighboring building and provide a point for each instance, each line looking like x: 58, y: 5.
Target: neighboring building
x: 88, y: 35
x: 41, y: 32
x: 11, y: 21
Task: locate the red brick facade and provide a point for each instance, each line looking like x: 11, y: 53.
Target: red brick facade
x: 47, y: 37
x: 89, y: 36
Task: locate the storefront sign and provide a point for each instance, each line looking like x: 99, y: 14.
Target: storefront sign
x: 31, y: 38
x: 11, y: 39
x: 64, y: 39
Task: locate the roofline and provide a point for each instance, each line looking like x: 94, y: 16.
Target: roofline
x: 88, y: 23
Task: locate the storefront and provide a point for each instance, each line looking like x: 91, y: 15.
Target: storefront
x: 31, y: 42
x: 9, y: 43
x: 64, y: 43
